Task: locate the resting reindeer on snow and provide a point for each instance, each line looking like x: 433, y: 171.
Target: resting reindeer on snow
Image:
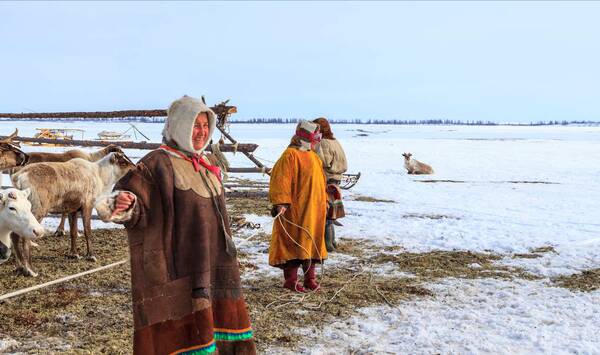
x: 45, y: 157
x: 414, y: 166
x: 16, y: 216
x: 67, y: 187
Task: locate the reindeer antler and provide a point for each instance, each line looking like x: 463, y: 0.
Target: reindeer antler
x: 11, y: 137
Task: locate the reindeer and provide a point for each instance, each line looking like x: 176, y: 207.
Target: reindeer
x: 67, y: 187
x: 414, y: 166
x: 10, y: 154
x: 45, y: 157
x: 16, y: 216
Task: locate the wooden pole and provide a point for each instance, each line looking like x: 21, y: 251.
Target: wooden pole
x: 262, y: 168
x: 221, y: 109
x: 245, y: 147
x: 95, y: 114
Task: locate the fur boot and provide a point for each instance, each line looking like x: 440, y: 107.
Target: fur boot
x: 310, y: 277
x: 290, y: 273
x: 330, y: 237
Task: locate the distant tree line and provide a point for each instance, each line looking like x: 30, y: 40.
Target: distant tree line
x: 339, y: 121
x: 419, y: 122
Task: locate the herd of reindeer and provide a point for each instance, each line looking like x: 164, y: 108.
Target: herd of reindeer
x: 65, y: 183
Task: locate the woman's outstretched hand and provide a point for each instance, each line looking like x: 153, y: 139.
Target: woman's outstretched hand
x: 123, y: 202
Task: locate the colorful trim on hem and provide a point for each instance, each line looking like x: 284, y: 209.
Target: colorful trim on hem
x: 220, y: 335
x: 233, y: 334
x: 198, y: 350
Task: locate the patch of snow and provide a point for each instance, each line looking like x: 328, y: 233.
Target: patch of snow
x: 6, y: 343
x: 469, y: 317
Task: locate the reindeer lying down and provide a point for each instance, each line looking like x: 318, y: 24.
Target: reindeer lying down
x: 414, y: 166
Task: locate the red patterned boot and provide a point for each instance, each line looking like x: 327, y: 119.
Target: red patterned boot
x: 290, y: 273
x: 310, y: 277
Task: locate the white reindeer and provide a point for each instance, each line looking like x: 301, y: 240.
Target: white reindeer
x: 16, y: 216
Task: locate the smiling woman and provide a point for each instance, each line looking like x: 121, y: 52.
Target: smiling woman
x: 200, y: 131
x: 187, y: 296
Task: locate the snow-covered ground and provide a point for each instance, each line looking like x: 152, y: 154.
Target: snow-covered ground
x: 486, y: 211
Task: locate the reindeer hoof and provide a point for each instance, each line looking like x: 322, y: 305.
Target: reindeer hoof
x: 28, y: 272
x: 91, y: 258
x: 59, y: 233
x: 73, y: 256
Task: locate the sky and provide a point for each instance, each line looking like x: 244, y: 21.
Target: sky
x: 502, y: 61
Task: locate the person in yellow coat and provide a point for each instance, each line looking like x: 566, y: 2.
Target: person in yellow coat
x: 298, y: 193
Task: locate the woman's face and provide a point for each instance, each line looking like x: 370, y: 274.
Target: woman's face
x: 200, y: 131
x: 317, y: 139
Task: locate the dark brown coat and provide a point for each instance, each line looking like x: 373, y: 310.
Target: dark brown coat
x: 185, y: 286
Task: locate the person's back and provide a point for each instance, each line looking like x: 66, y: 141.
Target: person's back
x: 333, y: 157
x: 334, y: 165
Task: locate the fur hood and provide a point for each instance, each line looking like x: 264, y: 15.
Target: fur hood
x: 181, y: 117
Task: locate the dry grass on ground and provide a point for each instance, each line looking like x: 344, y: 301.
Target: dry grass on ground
x: 588, y: 280
x: 92, y: 314
x: 462, y: 264
x: 535, y: 253
x: 362, y: 198
x: 276, y: 312
x: 428, y: 216
x: 248, y: 205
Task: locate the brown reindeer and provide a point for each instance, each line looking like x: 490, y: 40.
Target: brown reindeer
x: 10, y: 154
x: 39, y: 157
x: 66, y: 187
x: 414, y: 166
x: 45, y: 157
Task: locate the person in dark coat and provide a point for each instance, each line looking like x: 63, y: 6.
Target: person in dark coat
x: 186, y: 291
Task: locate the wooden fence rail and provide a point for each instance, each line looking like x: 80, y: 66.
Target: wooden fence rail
x: 95, y: 114
x: 241, y: 147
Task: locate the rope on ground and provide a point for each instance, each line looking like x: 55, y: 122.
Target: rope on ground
x: 335, y: 293
x: 289, y: 300
x: 54, y: 282
x: 379, y: 292
x: 301, y: 298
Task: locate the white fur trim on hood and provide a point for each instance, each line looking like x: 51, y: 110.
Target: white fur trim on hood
x: 181, y: 117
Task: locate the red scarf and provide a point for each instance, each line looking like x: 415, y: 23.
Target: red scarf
x: 197, y: 160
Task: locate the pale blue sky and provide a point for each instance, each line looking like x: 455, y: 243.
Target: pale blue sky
x: 499, y: 61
